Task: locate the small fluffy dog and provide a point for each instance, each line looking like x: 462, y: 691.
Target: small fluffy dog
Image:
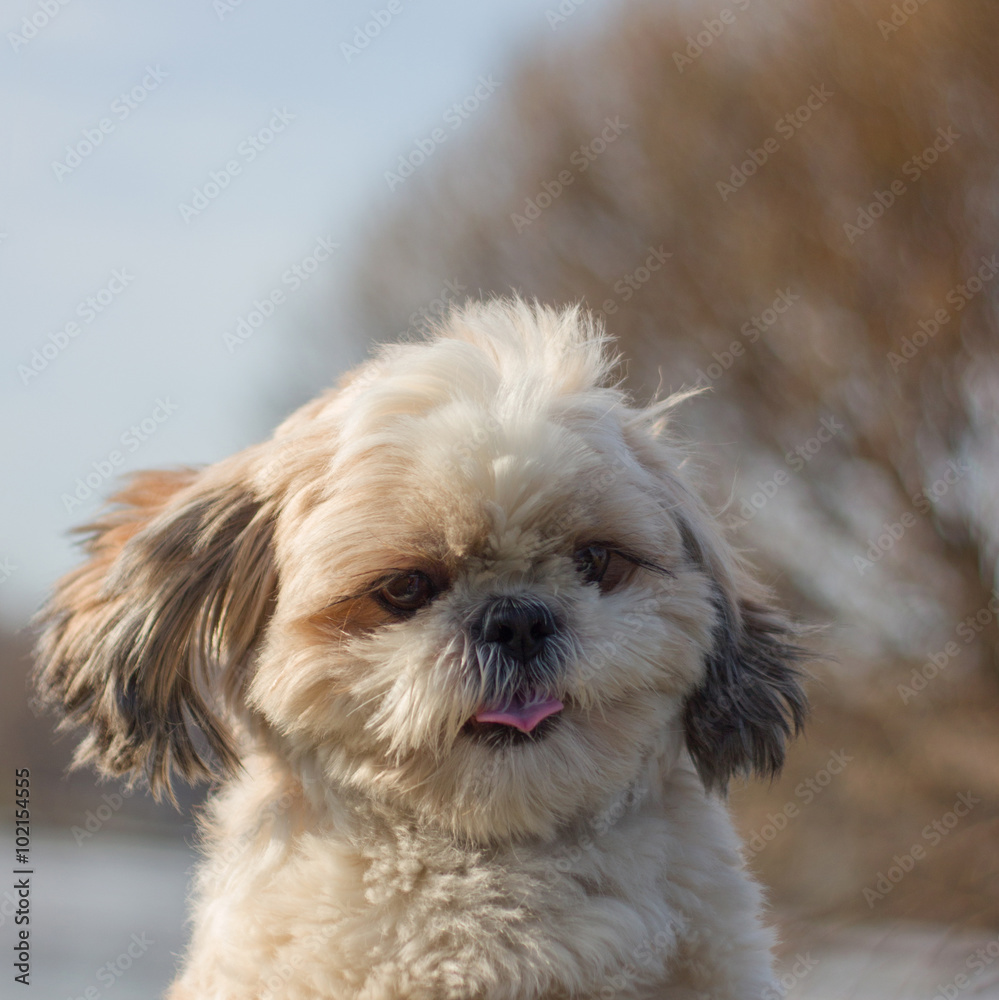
x: 474, y: 663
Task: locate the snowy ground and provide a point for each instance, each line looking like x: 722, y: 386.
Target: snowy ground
x: 891, y: 962
x: 90, y: 904
x: 108, y: 921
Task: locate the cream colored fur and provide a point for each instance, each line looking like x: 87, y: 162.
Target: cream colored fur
x: 366, y: 844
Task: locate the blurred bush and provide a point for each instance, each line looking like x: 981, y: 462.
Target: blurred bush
x: 794, y: 204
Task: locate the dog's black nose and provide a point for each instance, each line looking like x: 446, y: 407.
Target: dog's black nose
x: 520, y: 625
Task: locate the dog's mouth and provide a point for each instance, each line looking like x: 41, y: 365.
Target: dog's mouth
x: 520, y: 719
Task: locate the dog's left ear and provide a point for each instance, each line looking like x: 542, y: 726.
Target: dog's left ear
x: 750, y: 702
x: 141, y: 643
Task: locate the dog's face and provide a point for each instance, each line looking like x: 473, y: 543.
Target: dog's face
x: 468, y: 584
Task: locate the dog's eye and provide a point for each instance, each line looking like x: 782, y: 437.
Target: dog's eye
x: 592, y: 562
x: 408, y: 591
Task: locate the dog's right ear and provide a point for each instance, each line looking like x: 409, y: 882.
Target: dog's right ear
x: 141, y: 643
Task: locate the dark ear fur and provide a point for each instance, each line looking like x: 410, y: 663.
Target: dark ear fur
x: 138, y: 643
x: 751, y: 701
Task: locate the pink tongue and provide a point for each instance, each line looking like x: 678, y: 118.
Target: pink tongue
x: 522, y: 717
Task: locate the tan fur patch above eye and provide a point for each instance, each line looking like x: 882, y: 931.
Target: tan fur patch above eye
x: 355, y: 616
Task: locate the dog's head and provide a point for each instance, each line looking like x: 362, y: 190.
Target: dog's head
x: 469, y: 583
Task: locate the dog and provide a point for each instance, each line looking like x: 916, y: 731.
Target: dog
x: 473, y: 666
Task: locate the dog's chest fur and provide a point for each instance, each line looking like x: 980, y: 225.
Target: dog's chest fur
x: 618, y: 907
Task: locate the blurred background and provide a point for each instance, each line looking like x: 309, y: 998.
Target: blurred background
x: 212, y: 209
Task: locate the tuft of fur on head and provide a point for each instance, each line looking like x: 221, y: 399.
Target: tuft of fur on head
x: 488, y: 460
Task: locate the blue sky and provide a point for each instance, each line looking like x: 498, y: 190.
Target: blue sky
x: 115, y: 299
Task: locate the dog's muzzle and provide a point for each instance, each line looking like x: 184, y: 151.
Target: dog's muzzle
x: 516, y: 641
